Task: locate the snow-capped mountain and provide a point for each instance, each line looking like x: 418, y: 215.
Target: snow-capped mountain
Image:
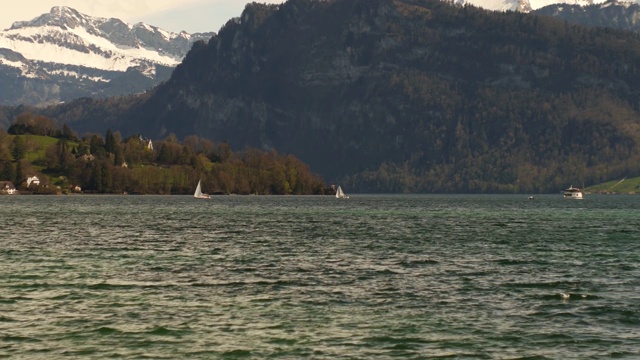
x: 65, y: 54
x: 623, y: 15
x: 523, y: 5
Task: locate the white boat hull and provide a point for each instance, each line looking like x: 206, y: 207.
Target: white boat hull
x: 573, y: 193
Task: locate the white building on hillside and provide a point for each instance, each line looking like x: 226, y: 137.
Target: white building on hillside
x: 147, y: 142
x: 33, y: 180
x: 7, y: 188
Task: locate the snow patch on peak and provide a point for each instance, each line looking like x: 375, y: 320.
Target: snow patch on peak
x: 624, y: 3
x: 525, y: 5
x: 65, y: 36
x: 144, y: 26
x: 68, y: 47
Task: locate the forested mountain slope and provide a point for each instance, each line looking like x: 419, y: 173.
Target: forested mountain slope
x: 403, y: 96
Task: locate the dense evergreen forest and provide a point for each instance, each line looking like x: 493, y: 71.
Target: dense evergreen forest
x: 66, y: 163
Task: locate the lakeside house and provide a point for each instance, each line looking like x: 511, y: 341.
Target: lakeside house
x: 7, y: 188
x: 33, y: 180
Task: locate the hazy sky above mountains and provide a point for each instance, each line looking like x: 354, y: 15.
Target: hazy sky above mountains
x: 173, y: 15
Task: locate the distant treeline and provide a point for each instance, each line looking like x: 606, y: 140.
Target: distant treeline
x: 136, y: 165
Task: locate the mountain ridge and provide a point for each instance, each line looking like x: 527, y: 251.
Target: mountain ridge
x: 64, y: 49
x: 402, y: 96
x: 610, y: 14
x: 524, y: 5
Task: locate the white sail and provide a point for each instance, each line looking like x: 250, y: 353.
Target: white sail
x: 340, y: 194
x: 199, y: 194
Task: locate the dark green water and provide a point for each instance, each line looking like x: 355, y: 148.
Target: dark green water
x: 371, y: 277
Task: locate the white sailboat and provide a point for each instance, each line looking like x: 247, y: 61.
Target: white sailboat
x: 340, y: 194
x: 199, y: 194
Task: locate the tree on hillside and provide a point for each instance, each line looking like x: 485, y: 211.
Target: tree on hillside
x: 83, y: 149
x: 118, y: 157
x: 135, y: 152
x: 19, y: 148
x: 68, y: 134
x: 171, y: 152
x: 97, y: 146
x: 28, y: 123
x: 7, y: 169
x: 113, y: 145
x: 222, y: 152
x: 207, y: 147
x: 192, y: 142
x: 5, y: 140
x: 59, y: 156
x: 110, y: 142
x: 19, y: 174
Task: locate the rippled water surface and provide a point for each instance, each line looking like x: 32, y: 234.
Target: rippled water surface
x: 403, y: 277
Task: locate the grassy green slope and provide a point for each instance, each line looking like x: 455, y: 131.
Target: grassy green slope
x: 622, y: 186
x: 37, y: 147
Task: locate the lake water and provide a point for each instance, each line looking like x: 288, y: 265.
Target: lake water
x: 291, y: 277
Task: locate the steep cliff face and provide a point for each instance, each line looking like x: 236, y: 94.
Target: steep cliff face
x: 407, y: 95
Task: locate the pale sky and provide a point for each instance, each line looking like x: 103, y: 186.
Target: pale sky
x: 172, y: 15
